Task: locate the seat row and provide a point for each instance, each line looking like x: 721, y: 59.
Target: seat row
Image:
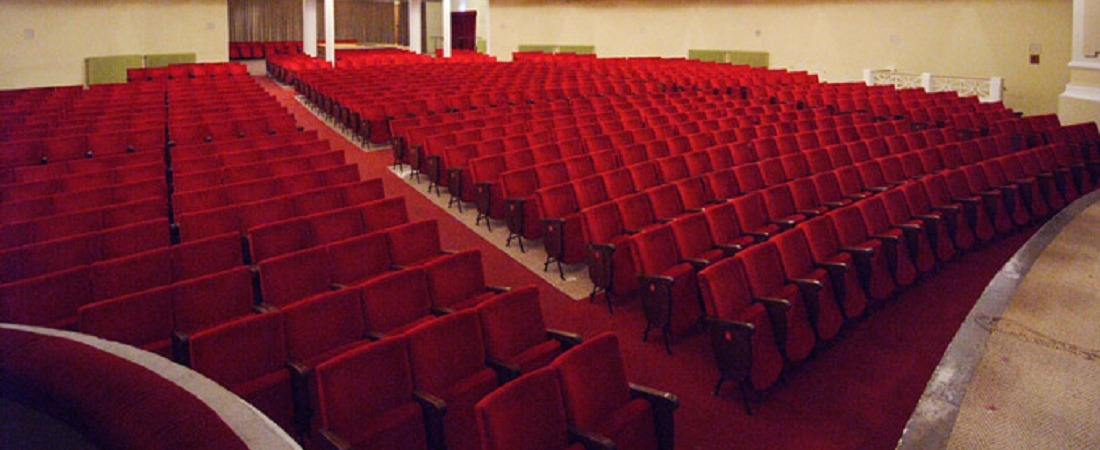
x: 303, y: 161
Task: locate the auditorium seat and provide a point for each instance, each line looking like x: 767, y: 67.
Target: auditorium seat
x: 667, y: 284
x: 457, y: 281
x: 610, y: 263
x: 447, y: 356
x: 529, y: 413
x: 822, y: 297
x: 516, y: 338
x: 847, y: 277
x: 376, y: 411
x: 599, y: 399
x: 763, y: 269
x: 877, y: 223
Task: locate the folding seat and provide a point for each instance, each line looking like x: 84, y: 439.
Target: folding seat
x: 673, y: 168
x: 816, y: 161
x: 529, y: 413
x: 1078, y: 179
x: 720, y: 157
x: 999, y: 203
x: 383, y: 214
x: 878, y: 226
x: 295, y: 276
x: 379, y: 411
x: 457, y: 281
x: 871, y: 259
x: 780, y: 208
x: 742, y: 153
x: 1033, y: 191
x: 605, y: 161
x: 522, y: 216
x: 772, y: 171
x: 808, y: 141
x: 749, y: 177
x: 839, y: 156
x: 786, y: 144
x: 951, y: 155
x: 861, y: 151
x: 765, y: 148
x: 516, y: 338
x: 805, y: 198
x: 980, y: 211
x: 693, y: 193
x: 896, y: 144
x: 742, y: 335
x: 485, y: 173
x: 447, y: 356
x: 143, y: 319
x: 823, y: 297
x: 722, y: 184
x: 851, y: 185
x: 701, y: 140
x: 870, y: 175
x: 667, y: 284
x: 694, y: 243
x: 279, y: 238
x: 1012, y: 193
x: 657, y: 149
x: 1053, y: 180
x: 763, y: 269
x: 753, y: 219
x: 795, y: 166
x: 261, y: 379
x: 631, y: 416
x: 847, y: 134
x: 618, y: 183
x: 319, y: 329
x: 135, y: 273
x: 678, y: 145
x: 578, y: 167
x: 563, y: 235
x: 921, y: 237
x: 206, y: 301
x: 665, y: 202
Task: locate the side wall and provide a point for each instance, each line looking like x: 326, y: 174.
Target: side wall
x: 44, y: 42
x: 834, y: 38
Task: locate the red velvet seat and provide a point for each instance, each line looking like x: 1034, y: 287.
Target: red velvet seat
x: 763, y: 268
x: 204, y: 302
x: 248, y: 356
x: 599, y: 399
x: 822, y: 296
x: 396, y: 302
x: 563, y: 233
x: 516, y: 338
x: 870, y: 258
x: 668, y: 289
x: 1012, y: 196
x: 143, y: 319
x: 413, y: 243
x: 295, y: 276
x: 936, y: 197
x: 458, y: 281
x: 942, y: 223
x: 742, y: 336
x: 448, y: 364
x: 752, y: 217
x: 665, y: 202
x: 918, y: 234
x: 982, y: 210
x: 878, y: 225
x: 825, y: 248
x: 376, y: 411
x: 610, y: 263
x: 527, y: 413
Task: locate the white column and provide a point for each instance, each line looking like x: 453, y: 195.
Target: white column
x: 1080, y: 102
x: 926, y: 81
x: 330, y: 31
x: 309, y: 27
x: 415, y: 30
x: 447, y: 28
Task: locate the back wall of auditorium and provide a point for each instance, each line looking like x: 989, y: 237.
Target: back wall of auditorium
x: 45, y: 42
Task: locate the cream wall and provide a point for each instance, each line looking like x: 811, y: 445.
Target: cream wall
x: 836, y: 39
x: 44, y: 42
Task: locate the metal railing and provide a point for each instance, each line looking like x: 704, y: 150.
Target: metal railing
x: 986, y: 89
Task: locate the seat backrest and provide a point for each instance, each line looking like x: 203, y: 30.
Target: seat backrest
x: 593, y: 381
x: 602, y: 223
x: 692, y: 236
x: 205, y: 256
x: 295, y: 276
x: 821, y: 236
x: 722, y: 184
x: 322, y: 324
x: 446, y: 351
x: 206, y: 301
x: 557, y: 201
x: 763, y: 269
x: 512, y: 323
x: 644, y: 175
x: 385, y: 213
x: 138, y: 319
x: 528, y: 412
x: 897, y: 208
x: 240, y: 351
x: 396, y: 299
x: 749, y: 177
x: 121, y: 276
x: 725, y: 289
x: 722, y: 223
x: 849, y: 226
x: 751, y: 212
x: 618, y: 183
x: 657, y: 250
x: 360, y: 386
x: 778, y: 202
x: 279, y: 238
x: 455, y: 278
x: 414, y: 242
x: 665, y: 201
x: 635, y: 211
x: 794, y: 252
x: 589, y: 191
x: 874, y: 215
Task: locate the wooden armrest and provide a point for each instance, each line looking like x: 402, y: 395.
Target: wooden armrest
x: 590, y: 440
x: 772, y: 302
x: 907, y: 226
x: 505, y: 371
x: 497, y: 289
x: 375, y: 335
x: 928, y: 217
x: 565, y: 338
x: 833, y: 204
x: 442, y: 311
x: 760, y: 236
x: 605, y: 248
x: 859, y: 250
x: 806, y: 282
x: 697, y: 263
x: 659, y: 399
x: 337, y: 286
x: 729, y: 249
x: 331, y: 441
x: 884, y: 237
x: 434, y: 408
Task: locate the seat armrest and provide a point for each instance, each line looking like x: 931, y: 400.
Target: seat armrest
x: 883, y: 237
x: 567, y: 339
x: 814, y: 284
x: 856, y: 197
x: 759, y: 236
x: 833, y: 204
x: 655, y: 279
x: 337, y: 286
x: 744, y: 328
x: 434, y: 408
x: 693, y: 210
x: 603, y: 248
x: 809, y: 212
x: 497, y: 289
x: 264, y: 308
x: 907, y: 226
x: 859, y: 250
x: 505, y: 371
x: 663, y: 404
x: 181, y: 348
x: 729, y: 249
x: 928, y: 217
x: 697, y: 263
x: 946, y: 208
x: 772, y: 302
x: 442, y: 311
x: 375, y: 335
x: 552, y: 221
x: 590, y: 440
x: 331, y: 441
x: 878, y: 189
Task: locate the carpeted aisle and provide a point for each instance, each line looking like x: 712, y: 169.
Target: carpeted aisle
x: 856, y: 392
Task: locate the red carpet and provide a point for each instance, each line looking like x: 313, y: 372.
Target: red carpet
x: 856, y: 392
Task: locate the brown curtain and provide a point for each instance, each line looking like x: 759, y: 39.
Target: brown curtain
x: 281, y: 20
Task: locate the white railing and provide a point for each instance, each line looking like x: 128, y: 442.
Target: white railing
x: 986, y: 89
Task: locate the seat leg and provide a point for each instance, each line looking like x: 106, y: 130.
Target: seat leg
x: 718, y: 385
x: 746, y: 396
